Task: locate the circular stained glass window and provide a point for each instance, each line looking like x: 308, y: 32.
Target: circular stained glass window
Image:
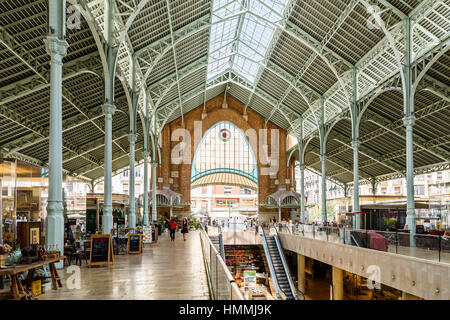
x: 225, y: 135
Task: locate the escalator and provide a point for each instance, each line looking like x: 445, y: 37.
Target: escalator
x: 278, y: 267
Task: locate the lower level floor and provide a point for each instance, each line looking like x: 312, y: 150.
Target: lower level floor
x: 165, y: 270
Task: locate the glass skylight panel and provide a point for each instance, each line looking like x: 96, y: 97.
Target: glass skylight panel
x: 242, y: 52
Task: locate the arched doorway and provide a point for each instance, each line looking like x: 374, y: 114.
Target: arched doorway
x: 224, y: 177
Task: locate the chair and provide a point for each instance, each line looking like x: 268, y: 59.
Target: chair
x: 80, y: 254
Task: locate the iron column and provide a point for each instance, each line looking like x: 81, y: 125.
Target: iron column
x: 132, y: 197
x: 355, y: 145
x: 323, y: 159
x: 409, y: 121
x: 108, y: 109
x: 145, y: 218
x: 154, y: 166
x: 56, y: 47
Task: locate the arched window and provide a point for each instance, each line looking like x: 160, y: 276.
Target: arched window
x: 224, y: 148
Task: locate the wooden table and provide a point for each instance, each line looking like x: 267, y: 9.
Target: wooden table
x: 17, y: 290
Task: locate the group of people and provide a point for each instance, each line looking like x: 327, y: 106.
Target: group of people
x: 173, y: 228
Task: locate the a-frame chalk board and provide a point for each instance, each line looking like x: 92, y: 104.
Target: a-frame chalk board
x: 134, y: 243
x: 101, y: 250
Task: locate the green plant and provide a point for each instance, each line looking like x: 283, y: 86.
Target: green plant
x: 390, y: 221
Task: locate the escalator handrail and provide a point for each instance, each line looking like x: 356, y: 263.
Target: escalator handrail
x: 294, y: 289
x: 270, y: 263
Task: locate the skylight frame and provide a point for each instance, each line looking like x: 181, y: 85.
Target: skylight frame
x: 245, y: 35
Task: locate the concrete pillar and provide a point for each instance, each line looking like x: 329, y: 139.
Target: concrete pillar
x: 338, y: 283
x: 56, y: 47
x: 301, y: 273
x: 132, y: 196
x: 146, y: 158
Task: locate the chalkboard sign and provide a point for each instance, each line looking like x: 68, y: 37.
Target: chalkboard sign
x: 101, y: 250
x: 134, y: 243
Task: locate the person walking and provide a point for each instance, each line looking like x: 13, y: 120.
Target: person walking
x: 184, y: 228
x: 172, y: 228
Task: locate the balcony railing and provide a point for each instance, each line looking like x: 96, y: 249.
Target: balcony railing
x: 222, y: 285
x: 422, y: 246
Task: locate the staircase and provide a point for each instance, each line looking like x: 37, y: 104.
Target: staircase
x: 280, y: 272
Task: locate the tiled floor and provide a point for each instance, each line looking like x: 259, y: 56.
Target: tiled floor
x: 165, y: 271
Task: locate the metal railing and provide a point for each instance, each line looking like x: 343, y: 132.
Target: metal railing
x: 423, y: 246
x: 270, y: 263
x: 297, y: 292
x: 221, y: 282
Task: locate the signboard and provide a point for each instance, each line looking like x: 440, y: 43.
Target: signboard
x: 101, y: 250
x: 250, y: 279
x: 34, y: 236
x: 147, y: 235
x: 72, y: 222
x: 120, y: 221
x: 134, y: 243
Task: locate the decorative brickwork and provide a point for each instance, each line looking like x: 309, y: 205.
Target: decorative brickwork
x: 214, y: 114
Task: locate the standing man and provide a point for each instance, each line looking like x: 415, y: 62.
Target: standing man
x: 172, y: 228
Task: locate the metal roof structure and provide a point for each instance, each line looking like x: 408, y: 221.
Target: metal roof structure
x: 281, y: 58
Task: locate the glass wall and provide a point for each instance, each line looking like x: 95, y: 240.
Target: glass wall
x: 24, y: 196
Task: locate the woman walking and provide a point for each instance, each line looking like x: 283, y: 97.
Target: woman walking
x: 184, y: 228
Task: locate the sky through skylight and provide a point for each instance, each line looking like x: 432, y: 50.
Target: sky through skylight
x: 240, y: 35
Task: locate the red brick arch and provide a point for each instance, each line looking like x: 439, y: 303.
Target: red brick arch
x: 216, y: 113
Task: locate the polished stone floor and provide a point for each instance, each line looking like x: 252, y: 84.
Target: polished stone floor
x: 165, y: 271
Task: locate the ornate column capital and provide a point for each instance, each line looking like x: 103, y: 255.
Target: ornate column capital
x: 132, y: 137
x: 323, y: 157
x: 146, y: 154
x: 409, y: 121
x: 55, y: 46
x: 109, y: 109
x: 356, y: 144
x: 302, y: 167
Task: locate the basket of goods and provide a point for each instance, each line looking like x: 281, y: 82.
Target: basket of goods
x: 4, y: 252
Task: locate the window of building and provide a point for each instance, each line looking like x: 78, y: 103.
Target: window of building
x: 125, y: 187
x: 246, y: 191
x: 226, y: 203
x: 125, y: 173
x: 397, y: 190
x: 138, y: 189
x: 419, y: 190
x: 138, y: 172
x: 227, y: 190
x: 247, y: 203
